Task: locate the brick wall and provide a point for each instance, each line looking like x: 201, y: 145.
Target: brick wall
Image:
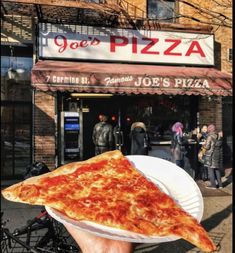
x: 44, y: 128
x: 210, y: 110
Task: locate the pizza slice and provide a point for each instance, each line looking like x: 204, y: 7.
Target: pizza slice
x: 108, y: 190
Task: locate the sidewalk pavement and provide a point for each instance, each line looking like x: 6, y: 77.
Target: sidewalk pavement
x: 217, y: 219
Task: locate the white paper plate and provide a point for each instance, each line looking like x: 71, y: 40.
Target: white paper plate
x: 169, y: 178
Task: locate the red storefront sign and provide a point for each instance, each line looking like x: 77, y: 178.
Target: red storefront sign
x: 126, y: 45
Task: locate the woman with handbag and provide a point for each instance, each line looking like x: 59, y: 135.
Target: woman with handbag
x: 201, y: 138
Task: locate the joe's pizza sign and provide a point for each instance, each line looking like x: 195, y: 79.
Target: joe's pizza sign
x: 126, y: 81
x: 108, y: 44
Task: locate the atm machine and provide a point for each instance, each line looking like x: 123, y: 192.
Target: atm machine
x: 70, y: 137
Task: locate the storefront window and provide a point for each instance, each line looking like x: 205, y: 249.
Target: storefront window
x: 15, y: 78
x: 15, y: 138
x: 162, y: 10
x: 159, y: 113
x: 15, y: 110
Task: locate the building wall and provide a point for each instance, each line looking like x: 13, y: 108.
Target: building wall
x: 135, y: 7
x: 207, y: 13
x: 44, y: 128
x: 44, y: 109
x: 210, y: 111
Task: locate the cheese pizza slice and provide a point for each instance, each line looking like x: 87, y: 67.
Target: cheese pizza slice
x: 108, y: 190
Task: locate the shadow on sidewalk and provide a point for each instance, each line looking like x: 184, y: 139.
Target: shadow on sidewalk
x: 182, y: 246
x: 229, y: 179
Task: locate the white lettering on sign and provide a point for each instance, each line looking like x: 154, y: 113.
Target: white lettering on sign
x: 153, y: 81
x: 110, y: 44
x: 110, y: 80
x: 139, y: 81
x: 67, y: 79
x: 191, y: 83
x: 166, y: 82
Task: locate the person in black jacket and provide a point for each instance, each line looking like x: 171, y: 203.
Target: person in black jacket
x: 102, y: 135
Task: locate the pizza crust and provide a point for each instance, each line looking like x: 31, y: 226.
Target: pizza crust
x: 12, y: 193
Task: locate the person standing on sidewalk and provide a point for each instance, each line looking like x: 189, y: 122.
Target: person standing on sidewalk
x: 140, y: 143
x: 102, y: 135
x: 212, y: 157
x: 178, y: 143
x: 201, y: 139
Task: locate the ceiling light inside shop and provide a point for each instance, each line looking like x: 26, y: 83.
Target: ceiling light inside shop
x: 20, y: 71
x: 91, y: 95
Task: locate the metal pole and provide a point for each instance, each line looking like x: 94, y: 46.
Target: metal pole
x: 119, y: 118
x: 62, y: 138
x: 81, y: 129
x: 33, y: 126
x: 34, y: 39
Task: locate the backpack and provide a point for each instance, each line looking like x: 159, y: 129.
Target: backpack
x: 36, y: 169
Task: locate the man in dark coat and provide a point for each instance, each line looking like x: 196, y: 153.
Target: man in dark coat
x: 102, y: 135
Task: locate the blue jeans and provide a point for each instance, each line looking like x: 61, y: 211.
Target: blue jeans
x: 215, y: 175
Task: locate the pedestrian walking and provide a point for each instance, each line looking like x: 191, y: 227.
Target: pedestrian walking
x: 102, y: 135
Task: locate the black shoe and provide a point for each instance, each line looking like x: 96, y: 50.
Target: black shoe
x: 211, y: 187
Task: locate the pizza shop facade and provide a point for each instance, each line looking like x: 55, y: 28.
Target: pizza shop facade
x: 152, y: 76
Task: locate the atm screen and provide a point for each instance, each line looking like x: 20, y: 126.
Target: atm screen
x: 71, y: 123
x: 71, y: 126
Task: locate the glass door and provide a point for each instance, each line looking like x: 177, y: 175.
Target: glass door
x: 15, y: 138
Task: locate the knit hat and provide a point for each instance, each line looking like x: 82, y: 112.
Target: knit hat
x: 211, y: 128
x: 178, y: 128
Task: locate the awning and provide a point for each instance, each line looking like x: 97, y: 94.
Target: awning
x: 128, y: 78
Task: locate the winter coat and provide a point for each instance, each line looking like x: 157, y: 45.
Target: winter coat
x: 217, y: 155
x: 139, y: 141
x: 103, y: 135
x: 178, y: 147
x: 209, y: 146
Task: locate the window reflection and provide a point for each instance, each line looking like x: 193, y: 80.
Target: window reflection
x: 161, y: 10
x: 15, y: 111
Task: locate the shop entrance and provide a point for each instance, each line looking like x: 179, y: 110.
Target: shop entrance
x: 77, y: 117
x: 157, y: 112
